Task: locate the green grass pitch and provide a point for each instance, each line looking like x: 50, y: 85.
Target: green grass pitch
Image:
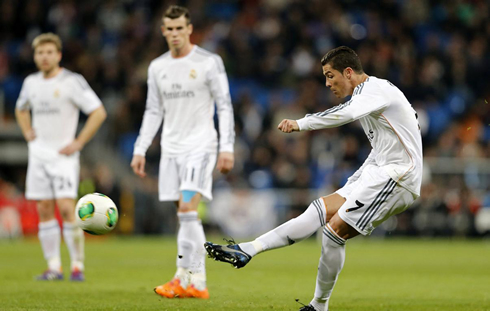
x: 395, y: 274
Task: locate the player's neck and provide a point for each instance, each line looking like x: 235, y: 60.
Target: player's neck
x: 358, y: 79
x: 51, y: 73
x: 184, y: 51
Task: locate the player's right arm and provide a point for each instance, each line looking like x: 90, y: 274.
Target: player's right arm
x: 288, y: 126
x: 23, y: 113
x: 367, y: 101
x: 24, y: 120
x: 152, y: 119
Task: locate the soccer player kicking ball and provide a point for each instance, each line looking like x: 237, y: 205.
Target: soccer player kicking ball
x: 386, y: 184
x: 183, y: 86
x: 54, y: 96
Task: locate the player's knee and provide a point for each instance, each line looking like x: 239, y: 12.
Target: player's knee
x: 341, y: 228
x: 188, y: 201
x: 332, y: 203
x: 67, y: 214
x: 67, y: 210
x: 45, y: 209
x: 185, y: 207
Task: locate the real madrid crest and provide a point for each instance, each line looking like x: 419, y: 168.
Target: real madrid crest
x: 193, y: 74
x: 56, y: 93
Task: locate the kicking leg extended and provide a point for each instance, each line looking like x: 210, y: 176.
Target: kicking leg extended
x: 292, y: 231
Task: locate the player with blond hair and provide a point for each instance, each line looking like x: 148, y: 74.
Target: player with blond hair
x: 54, y: 96
x: 184, y: 84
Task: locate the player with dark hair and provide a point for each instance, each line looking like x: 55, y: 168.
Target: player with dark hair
x: 183, y: 86
x: 386, y: 184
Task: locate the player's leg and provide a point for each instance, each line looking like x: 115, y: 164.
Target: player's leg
x: 73, y: 237
x: 292, y: 231
x: 196, y: 176
x: 375, y: 198
x: 297, y: 229
x: 50, y: 238
x: 191, y: 236
x: 65, y: 175
x: 39, y: 188
x: 335, y: 234
x: 171, y: 172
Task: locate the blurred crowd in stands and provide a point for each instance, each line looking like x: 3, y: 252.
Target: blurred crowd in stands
x: 437, y: 52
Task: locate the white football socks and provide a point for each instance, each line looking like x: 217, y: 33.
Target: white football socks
x: 191, y: 252
x: 74, y: 240
x: 329, y: 267
x: 198, y: 266
x: 292, y: 231
x: 50, y: 238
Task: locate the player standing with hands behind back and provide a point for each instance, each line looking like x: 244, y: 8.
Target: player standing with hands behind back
x: 55, y: 96
x: 183, y: 86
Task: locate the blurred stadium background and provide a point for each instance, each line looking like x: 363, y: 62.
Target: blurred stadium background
x: 437, y: 52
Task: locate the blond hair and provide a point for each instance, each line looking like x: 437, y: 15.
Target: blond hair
x: 47, y: 38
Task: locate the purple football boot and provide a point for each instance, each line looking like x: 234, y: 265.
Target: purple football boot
x: 50, y: 275
x: 77, y: 276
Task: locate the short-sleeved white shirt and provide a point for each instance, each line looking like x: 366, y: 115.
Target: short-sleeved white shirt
x: 55, y: 104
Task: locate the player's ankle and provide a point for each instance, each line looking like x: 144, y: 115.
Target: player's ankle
x: 252, y: 248
x: 77, y: 265
x: 198, y: 280
x: 54, y: 264
x: 183, y: 275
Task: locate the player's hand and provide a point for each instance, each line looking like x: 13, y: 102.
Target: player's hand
x: 226, y: 160
x: 138, y: 165
x: 288, y: 126
x: 30, y: 135
x: 73, y: 147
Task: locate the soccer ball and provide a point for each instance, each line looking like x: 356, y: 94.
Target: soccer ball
x: 96, y: 213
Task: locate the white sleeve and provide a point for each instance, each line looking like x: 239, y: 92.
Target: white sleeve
x: 371, y: 159
x: 218, y: 85
x: 152, y: 118
x: 365, y: 102
x: 23, y: 100
x: 83, y: 96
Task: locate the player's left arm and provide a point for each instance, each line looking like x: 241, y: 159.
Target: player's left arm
x: 218, y: 84
x: 86, y: 100
x: 94, y: 121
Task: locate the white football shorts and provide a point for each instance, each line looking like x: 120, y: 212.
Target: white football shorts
x: 56, y: 179
x: 193, y: 172
x: 372, y: 199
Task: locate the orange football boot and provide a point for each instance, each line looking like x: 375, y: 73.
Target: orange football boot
x: 171, y: 289
x: 195, y: 293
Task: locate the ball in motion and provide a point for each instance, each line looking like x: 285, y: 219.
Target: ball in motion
x: 96, y: 213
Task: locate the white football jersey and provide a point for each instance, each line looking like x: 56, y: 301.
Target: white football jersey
x: 55, y: 104
x: 389, y: 122
x: 182, y: 92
